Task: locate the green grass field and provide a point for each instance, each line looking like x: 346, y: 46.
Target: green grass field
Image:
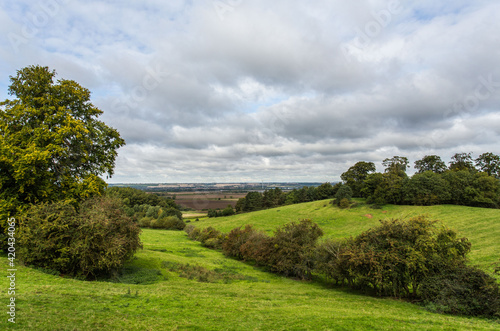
x: 151, y: 297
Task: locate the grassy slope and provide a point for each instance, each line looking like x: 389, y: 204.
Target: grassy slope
x: 480, y: 225
x: 266, y: 302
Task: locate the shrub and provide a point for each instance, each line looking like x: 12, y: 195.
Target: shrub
x: 290, y: 246
x: 211, y: 233
x: 257, y: 248
x: 344, y: 203
x: 344, y: 192
x: 235, y: 239
x: 462, y: 290
x: 395, y: 257
x: 95, y: 240
x: 192, y: 232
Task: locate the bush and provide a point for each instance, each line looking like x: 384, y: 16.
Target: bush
x: 290, y: 248
x: 95, y: 240
x: 235, y: 239
x: 344, y: 203
x: 462, y: 290
x: 344, y: 192
x: 257, y: 248
x: 211, y: 233
x: 394, y: 258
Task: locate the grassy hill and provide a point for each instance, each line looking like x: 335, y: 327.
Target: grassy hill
x: 233, y: 295
x: 480, y: 225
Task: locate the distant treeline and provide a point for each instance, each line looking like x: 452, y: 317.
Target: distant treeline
x: 464, y: 182
x: 277, y: 197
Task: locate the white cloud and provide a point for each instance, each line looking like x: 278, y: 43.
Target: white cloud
x: 282, y: 90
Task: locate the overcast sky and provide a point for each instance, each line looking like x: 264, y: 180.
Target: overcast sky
x: 284, y: 90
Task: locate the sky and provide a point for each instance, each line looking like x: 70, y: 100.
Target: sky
x: 283, y: 91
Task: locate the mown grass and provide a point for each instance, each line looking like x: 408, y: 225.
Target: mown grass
x: 152, y: 297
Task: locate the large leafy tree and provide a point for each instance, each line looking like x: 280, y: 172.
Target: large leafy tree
x: 396, y: 165
x: 430, y: 163
x: 489, y: 163
x: 356, y: 175
x: 52, y: 146
x: 462, y: 161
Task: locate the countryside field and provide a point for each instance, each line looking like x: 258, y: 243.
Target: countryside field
x: 233, y: 295
x: 202, y: 201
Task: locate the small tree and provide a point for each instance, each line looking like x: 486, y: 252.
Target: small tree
x: 344, y: 192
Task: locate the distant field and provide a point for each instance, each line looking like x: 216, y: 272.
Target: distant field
x: 152, y: 297
x: 203, y: 201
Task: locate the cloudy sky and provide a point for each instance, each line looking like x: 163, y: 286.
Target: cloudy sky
x: 284, y: 90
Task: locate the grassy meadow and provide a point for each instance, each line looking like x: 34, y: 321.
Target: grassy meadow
x: 163, y: 289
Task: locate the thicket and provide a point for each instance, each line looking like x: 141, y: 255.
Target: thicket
x: 149, y: 210
x: 228, y: 211
x: 415, y: 259
x: 92, y: 240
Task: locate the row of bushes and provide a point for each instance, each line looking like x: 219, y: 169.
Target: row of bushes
x: 413, y: 259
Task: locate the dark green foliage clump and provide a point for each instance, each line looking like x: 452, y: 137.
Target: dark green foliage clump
x: 462, y: 290
x: 95, y: 240
x: 394, y: 258
x: 289, y: 250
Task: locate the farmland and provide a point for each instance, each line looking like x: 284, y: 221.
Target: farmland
x: 151, y: 295
x: 202, y: 201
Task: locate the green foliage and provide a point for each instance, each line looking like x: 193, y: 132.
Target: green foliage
x: 394, y: 258
x: 210, y: 237
x: 149, y: 210
x: 462, y: 161
x: 52, y: 147
x: 94, y: 240
x: 228, y: 211
x: 344, y: 192
x: 344, y: 203
x: 430, y: 163
x: 290, y: 248
x: 489, y: 163
x: 235, y: 239
x: 462, y: 290
x: 426, y: 189
x: 396, y: 165
x: 356, y: 175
